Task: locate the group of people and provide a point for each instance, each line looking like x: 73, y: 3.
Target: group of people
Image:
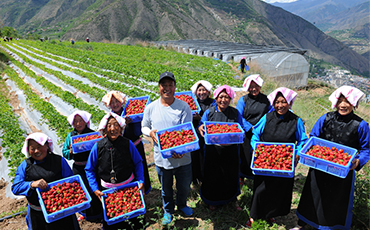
x: 218, y: 170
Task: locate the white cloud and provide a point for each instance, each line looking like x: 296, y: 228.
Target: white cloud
x: 281, y: 1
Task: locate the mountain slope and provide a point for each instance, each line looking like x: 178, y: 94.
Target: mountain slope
x: 317, y: 10
x: 246, y: 21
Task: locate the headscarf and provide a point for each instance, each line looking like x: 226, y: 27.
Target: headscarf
x: 254, y: 77
x: 243, y: 57
x: 288, y: 94
x: 83, y: 114
x: 39, y: 138
x: 228, y: 89
x: 204, y: 83
x: 117, y: 94
x: 352, y: 94
x: 103, y: 123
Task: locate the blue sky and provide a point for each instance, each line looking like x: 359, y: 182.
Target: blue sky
x: 282, y: 1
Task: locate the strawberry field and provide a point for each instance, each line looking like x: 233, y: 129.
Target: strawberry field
x: 46, y: 81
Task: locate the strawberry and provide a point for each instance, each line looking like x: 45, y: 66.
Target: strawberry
x: 122, y: 201
x: 188, y: 99
x: 62, y: 196
x: 175, y: 138
x: 332, y: 154
x: 277, y: 157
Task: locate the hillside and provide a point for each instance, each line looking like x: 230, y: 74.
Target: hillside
x: 317, y: 10
x: 47, y: 80
x: 249, y: 21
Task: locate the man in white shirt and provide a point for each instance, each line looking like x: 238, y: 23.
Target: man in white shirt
x: 165, y: 112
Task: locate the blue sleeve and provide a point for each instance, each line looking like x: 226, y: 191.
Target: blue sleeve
x: 204, y: 118
x: 67, y: 147
x: 270, y: 108
x: 240, y: 106
x: 66, y: 169
x: 258, y: 130
x: 136, y: 158
x: 301, y: 136
x: 214, y: 103
x: 244, y: 123
x: 90, y: 168
x: 20, y: 186
x: 317, y: 128
x: 364, y: 139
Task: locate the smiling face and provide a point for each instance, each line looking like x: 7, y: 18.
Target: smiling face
x: 202, y: 93
x: 254, y: 89
x: 113, y: 129
x: 37, y: 151
x: 343, y: 106
x: 223, y: 100
x: 167, y: 89
x: 281, y: 105
x: 79, y: 123
x: 115, y: 105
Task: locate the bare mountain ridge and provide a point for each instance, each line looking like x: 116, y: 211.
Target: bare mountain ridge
x: 248, y: 21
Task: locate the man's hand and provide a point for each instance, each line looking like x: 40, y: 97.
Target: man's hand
x: 153, y: 136
x: 177, y: 156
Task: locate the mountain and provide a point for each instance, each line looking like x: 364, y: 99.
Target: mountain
x: 246, y: 21
x: 317, y: 10
x: 354, y: 17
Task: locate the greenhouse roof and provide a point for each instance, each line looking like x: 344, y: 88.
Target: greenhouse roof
x: 230, y: 48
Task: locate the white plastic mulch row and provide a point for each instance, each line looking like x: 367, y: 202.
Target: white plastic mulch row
x: 56, y: 81
x: 98, y: 75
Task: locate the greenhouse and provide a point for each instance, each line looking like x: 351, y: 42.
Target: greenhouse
x: 286, y: 64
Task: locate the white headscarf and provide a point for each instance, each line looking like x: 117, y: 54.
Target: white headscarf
x: 39, y: 138
x: 103, y: 123
x: 117, y: 94
x: 254, y: 77
x: 288, y: 94
x: 83, y: 114
x: 352, y: 94
x: 204, y: 83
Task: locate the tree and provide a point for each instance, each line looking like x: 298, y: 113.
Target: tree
x: 8, y: 31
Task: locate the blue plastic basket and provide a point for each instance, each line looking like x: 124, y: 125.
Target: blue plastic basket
x: 86, y: 145
x: 223, y: 138
x: 324, y: 165
x: 128, y: 215
x: 51, y: 217
x: 194, y: 98
x: 181, y: 149
x: 274, y: 172
x: 136, y: 117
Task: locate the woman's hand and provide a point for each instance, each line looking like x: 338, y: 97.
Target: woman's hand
x: 153, y: 136
x: 196, y: 116
x: 42, y: 184
x: 201, y: 130
x: 355, y: 163
x: 142, y: 188
x: 296, y: 161
x: 128, y: 120
x: 70, y: 149
x: 98, y: 193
